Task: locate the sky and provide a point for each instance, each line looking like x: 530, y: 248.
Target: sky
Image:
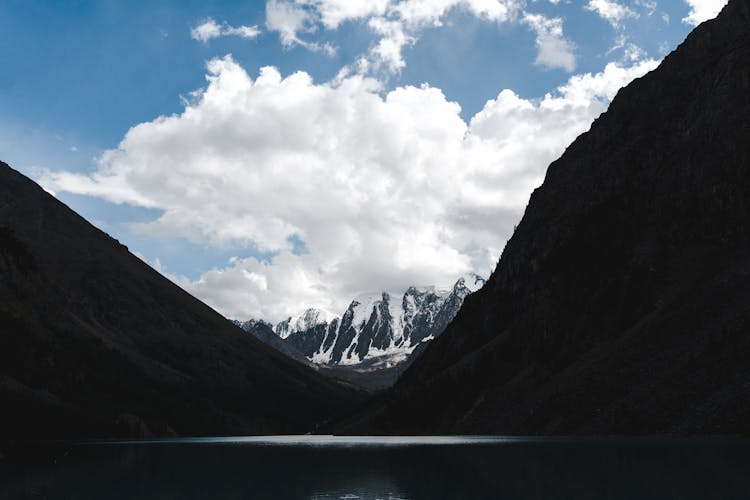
x: 270, y: 156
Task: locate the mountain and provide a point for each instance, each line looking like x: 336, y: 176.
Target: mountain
x: 621, y: 304
x: 375, y: 339
x: 264, y: 332
x: 95, y: 343
x: 374, y: 330
x: 308, y: 332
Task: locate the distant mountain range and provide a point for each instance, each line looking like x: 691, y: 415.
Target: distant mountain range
x: 375, y: 329
x: 621, y: 304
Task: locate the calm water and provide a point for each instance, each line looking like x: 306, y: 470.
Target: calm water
x: 315, y: 467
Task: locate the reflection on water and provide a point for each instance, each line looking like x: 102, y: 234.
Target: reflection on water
x: 325, y: 467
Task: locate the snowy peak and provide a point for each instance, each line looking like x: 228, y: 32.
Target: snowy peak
x: 419, y: 309
x: 377, y: 327
x: 310, y: 319
x: 252, y: 323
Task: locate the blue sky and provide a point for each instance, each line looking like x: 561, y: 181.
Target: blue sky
x: 391, y: 159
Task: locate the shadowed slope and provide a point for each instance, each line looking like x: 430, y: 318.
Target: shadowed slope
x: 622, y: 302
x: 93, y: 342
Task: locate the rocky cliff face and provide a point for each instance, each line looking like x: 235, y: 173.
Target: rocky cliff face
x: 620, y: 304
x: 95, y: 343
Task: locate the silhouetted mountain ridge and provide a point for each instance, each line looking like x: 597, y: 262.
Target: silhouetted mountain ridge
x: 95, y: 343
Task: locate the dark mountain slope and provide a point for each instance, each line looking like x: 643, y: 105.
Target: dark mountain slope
x: 264, y: 332
x: 622, y: 302
x: 93, y: 342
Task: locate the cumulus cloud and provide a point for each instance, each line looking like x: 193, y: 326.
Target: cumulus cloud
x: 554, y: 51
x: 703, y: 10
x: 611, y: 11
x: 385, y: 190
x: 210, y: 29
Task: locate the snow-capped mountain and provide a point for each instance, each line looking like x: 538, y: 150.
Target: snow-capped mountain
x: 377, y: 329
x: 307, y: 320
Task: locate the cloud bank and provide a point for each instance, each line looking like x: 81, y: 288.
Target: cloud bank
x: 385, y: 190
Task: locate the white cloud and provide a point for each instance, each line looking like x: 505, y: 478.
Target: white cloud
x: 404, y: 20
x: 703, y: 10
x: 246, y: 32
x: 615, y: 13
x: 494, y: 10
x: 426, y: 12
x: 210, y: 29
x: 334, y: 12
x: 205, y: 31
x: 385, y: 190
x: 611, y: 11
x: 396, y: 22
x: 554, y: 51
x: 388, y: 50
x: 289, y: 19
x: 630, y: 51
x: 648, y: 5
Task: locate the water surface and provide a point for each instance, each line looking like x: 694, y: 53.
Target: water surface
x: 328, y: 467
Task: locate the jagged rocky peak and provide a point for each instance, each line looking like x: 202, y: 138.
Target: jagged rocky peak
x: 251, y: 323
x: 311, y: 318
x: 376, y: 326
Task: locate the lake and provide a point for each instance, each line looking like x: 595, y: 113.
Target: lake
x: 327, y: 467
